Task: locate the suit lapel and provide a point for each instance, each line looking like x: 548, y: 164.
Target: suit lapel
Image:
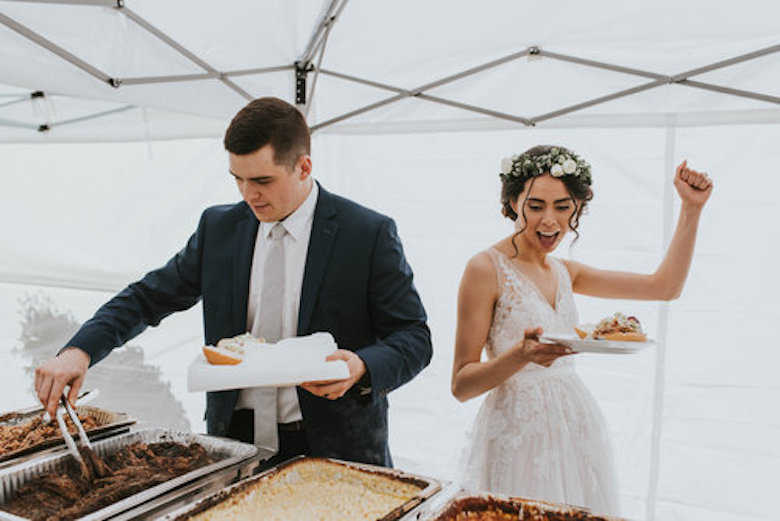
x: 323, y: 235
x: 246, y: 234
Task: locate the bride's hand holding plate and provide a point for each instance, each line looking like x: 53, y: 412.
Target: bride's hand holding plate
x: 531, y: 350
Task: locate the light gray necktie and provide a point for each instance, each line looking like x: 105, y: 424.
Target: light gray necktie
x: 268, y: 324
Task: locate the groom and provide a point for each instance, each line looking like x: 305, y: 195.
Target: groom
x: 291, y: 259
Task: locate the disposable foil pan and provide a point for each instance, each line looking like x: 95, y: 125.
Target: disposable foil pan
x: 108, y: 423
x: 514, y: 507
x: 225, y: 452
x: 428, y: 487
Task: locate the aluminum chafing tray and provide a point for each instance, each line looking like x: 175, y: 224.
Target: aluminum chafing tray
x: 427, y: 488
x: 227, y: 453
x: 109, y: 423
x: 517, y: 508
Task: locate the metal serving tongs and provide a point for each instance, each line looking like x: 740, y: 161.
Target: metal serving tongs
x: 83, y: 399
x: 93, y: 466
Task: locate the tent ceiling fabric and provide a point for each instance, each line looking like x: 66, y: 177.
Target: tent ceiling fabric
x: 386, y: 65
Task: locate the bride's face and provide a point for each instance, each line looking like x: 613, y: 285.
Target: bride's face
x: 543, y: 211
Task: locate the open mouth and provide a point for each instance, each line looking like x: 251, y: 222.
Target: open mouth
x: 548, y: 239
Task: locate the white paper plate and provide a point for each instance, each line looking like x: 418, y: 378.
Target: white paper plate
x: 596, y: 346
x: 288, y: 362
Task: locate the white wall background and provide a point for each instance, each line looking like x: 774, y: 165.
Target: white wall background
x: 694, y: 420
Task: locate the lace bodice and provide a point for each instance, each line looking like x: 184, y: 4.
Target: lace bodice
x: 521, y: 305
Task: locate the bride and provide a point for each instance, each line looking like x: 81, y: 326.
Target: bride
x: 539, y: 433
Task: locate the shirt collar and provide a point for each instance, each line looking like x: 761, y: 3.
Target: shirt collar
x: 296, y: 222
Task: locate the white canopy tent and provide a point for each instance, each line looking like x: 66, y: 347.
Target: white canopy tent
x: 111, y: 115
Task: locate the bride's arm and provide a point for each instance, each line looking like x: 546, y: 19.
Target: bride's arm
x: 668, y: 280
x: 476, y: 299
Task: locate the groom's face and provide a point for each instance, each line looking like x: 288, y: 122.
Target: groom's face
x: 271, y: 190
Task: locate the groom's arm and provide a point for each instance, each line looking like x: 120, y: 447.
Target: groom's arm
x: 173, y: 287
x: 403, y: 347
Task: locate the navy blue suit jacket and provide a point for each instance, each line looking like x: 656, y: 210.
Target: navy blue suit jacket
x: 357, y: 285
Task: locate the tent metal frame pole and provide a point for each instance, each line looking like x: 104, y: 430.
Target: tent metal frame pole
x: 106, y: 3
x: 659, y: 80
x: 54, y: 48
x: 472, y: 71
x: 731, y: 91
x: 364, y: 81
x: 598, y: 101
x: 680, y: 79
x: 183, y: 51
x: 146, y: 80
x: 727, y: 62
x: 408, y: 93
x: 92, y: 116
x: 320, y: 34
x: 310, y: 95
x: 474, y: 108
x: 259, y: 70
x: 676, y: 78
x: 361, y: 110
x: 15, y: 101
x: 602, y: 65
x: 16, y: 124
x: 417, y: 92
x: 662, y: 332
x: 319, y: 39
x: 317, y: 44
x: 141, y: 80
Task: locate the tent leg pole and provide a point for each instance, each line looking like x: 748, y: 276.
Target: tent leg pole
x: 659, y: 384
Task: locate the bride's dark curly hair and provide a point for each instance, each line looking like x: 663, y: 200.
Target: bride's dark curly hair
x: 512, y: 186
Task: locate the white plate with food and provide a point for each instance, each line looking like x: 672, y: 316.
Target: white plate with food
x: 590, y: 345
x: 614, y: 334
x: 244, y: 361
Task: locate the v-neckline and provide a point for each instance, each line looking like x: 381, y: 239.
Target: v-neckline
x: 533, y: 283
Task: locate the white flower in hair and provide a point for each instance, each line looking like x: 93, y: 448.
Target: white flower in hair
x: 559, y: 162
x: 569, y: 166
x: 506, y: 165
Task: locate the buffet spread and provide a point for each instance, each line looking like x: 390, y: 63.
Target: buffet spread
x: 176, y: 476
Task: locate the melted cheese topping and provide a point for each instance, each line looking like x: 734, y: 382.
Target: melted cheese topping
x: 315, y: 490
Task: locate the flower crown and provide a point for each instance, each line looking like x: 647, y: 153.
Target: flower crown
x: 558, y: 162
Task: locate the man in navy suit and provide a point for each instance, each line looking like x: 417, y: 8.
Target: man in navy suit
x: 344, y: 272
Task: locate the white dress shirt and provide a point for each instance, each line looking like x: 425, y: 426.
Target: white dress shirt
x: 296, y: 244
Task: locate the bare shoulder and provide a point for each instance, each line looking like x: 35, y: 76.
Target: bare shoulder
x: 479, y: 277
x: 481, y: 266
x: 573, y: 267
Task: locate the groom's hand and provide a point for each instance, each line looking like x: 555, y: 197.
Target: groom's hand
x: 333, y: 389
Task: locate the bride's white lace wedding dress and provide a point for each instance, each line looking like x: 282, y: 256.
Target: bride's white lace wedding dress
x: 540, y: 434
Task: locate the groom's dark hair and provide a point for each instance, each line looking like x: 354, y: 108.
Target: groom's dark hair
x: 271, y: 121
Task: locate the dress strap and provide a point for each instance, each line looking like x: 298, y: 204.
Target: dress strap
x: 564, y: 279
x: 502, y: 270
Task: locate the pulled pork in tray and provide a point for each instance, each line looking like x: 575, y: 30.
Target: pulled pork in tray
x: 137, y: 467
x: 32, y: 432
x: 497, y: 509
